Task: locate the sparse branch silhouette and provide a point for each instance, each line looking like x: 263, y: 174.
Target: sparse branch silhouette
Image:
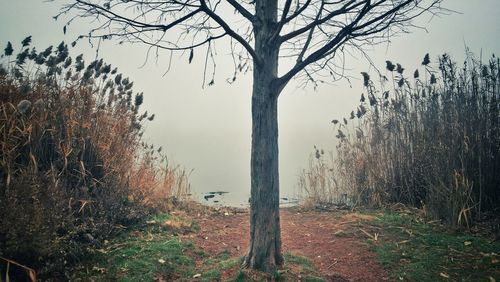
x: 314, y: 35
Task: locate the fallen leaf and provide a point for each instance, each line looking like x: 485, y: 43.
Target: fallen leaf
x: 467, y: 243
x: 162, y: 261
x: 150, y: 237
x: 403, y: 260
x: 444, y: 274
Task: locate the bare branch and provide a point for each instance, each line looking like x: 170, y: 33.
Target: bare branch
x: 109, y: 14
x: 230, y: 32
x: 314, y: 31
x: 365, y: 21
x: 281, y: 23
x: 297, y: 12
x: 244, y: 12
x: 318, y: 21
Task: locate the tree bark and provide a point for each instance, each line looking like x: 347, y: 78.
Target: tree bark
x: 265, y: 237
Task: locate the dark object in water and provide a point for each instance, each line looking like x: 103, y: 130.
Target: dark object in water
x: 208, y: 197
x: 289, y: 201
x: 220, y: 193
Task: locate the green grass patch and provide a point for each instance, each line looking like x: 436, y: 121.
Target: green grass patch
x: 313, y: 279
x: 240, y: 277
x: 299, y: 261
x: 142, y: 259
x: 413, y: 250
x: 230, y: 263
x: 211, y: 275
x: 224, y: 255
x: 160, y: 217
x: 150, y: 251
x: 296, y: 268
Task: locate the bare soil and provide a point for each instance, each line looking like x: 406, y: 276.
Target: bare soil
x: 333, y: 241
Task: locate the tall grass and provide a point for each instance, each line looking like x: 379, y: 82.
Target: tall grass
x: 431, y: 140
x: 73, y: 166
x: 318, y: 184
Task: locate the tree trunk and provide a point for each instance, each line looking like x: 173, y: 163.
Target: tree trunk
x: 265, y: 238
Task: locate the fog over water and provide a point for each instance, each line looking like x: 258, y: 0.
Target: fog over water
x: 209, y: 130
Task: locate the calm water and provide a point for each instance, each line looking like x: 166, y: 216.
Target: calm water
x: 225, y: 198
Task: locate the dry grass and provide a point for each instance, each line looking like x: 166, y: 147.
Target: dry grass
x: 431, y: 141
x: 73, y: 166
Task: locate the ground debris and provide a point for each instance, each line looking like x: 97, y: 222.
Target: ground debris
x: 332, y: 207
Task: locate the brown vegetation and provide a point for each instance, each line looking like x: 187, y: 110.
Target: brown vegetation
x: 431, y: 142
x: 73, y: 168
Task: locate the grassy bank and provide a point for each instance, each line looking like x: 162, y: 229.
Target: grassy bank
x: 415, y: 250
x: 152, y: 250
x: 159, y: 249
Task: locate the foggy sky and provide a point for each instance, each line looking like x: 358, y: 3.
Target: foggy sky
x: 209, y: 130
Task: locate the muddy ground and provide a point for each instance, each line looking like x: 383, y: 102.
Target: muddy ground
x: 334, y: 242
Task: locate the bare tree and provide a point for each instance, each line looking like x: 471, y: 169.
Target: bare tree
x: 311, y: 37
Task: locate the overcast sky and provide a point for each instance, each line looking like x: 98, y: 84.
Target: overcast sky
x: 209, y: 130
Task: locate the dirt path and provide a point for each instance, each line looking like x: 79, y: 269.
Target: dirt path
x: 332, y: 241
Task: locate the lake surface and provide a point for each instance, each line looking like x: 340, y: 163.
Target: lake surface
x: 225, y: 198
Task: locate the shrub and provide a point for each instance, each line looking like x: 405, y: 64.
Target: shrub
x: 73, y: 167
x: 431, y: 142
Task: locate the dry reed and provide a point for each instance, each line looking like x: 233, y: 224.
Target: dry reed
x: 73, y: 166
x: 431, y: 142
